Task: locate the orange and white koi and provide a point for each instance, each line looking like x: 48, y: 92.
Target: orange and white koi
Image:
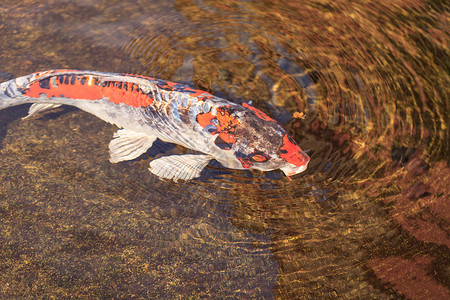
x: 144, y: 109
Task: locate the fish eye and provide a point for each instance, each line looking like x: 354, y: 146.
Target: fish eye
x: 260, y: 158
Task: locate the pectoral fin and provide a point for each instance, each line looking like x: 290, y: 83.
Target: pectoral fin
x: 128, y: 145
x: 176, y: 167
x: 39, y: 107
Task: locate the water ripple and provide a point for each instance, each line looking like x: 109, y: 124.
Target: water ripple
x: 367, y: 219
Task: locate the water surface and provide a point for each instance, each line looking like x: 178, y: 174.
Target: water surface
x: 368, y: 219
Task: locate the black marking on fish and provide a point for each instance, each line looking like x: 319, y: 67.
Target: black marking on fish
x: 45, y: 84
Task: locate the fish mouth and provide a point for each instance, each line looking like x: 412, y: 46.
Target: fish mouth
x: 290, y: 170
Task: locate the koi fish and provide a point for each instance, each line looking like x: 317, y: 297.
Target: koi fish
x: 144, y: 109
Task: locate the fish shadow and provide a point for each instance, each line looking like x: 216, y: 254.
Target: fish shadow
x: 6, y: 76
x: 214, y: 170
x: 159, y: 147
x: 9, y: 115
x: 55, y: 113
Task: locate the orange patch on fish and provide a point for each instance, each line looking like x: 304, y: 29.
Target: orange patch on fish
x: 199, y: 94
x: 226, y: 120
x: 227, y: 137
x: 88, y: 87
x: 224, y: 124
x: 128, y: 93
x: 259, y: 158
x: 56, y: 87
x: 258, y: 113
x: 292, y: 153
x: 205, y: 119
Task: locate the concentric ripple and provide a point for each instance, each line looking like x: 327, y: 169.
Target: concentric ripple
x: 371, y: 80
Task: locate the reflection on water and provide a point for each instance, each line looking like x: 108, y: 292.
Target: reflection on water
x: 369, y: 218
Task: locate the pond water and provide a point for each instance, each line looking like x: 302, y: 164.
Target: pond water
x: 369, y: 218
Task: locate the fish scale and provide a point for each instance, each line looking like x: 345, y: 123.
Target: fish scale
x: 145, y: 108
x: 171, y: 118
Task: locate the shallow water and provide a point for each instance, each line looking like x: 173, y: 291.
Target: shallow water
x: 368, y: 219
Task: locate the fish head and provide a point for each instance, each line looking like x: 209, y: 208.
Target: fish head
x: 260, y: 142
x: 294, y: 159
x: 271, y: 152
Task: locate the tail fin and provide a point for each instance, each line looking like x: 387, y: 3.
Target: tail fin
x: 10, y: 92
